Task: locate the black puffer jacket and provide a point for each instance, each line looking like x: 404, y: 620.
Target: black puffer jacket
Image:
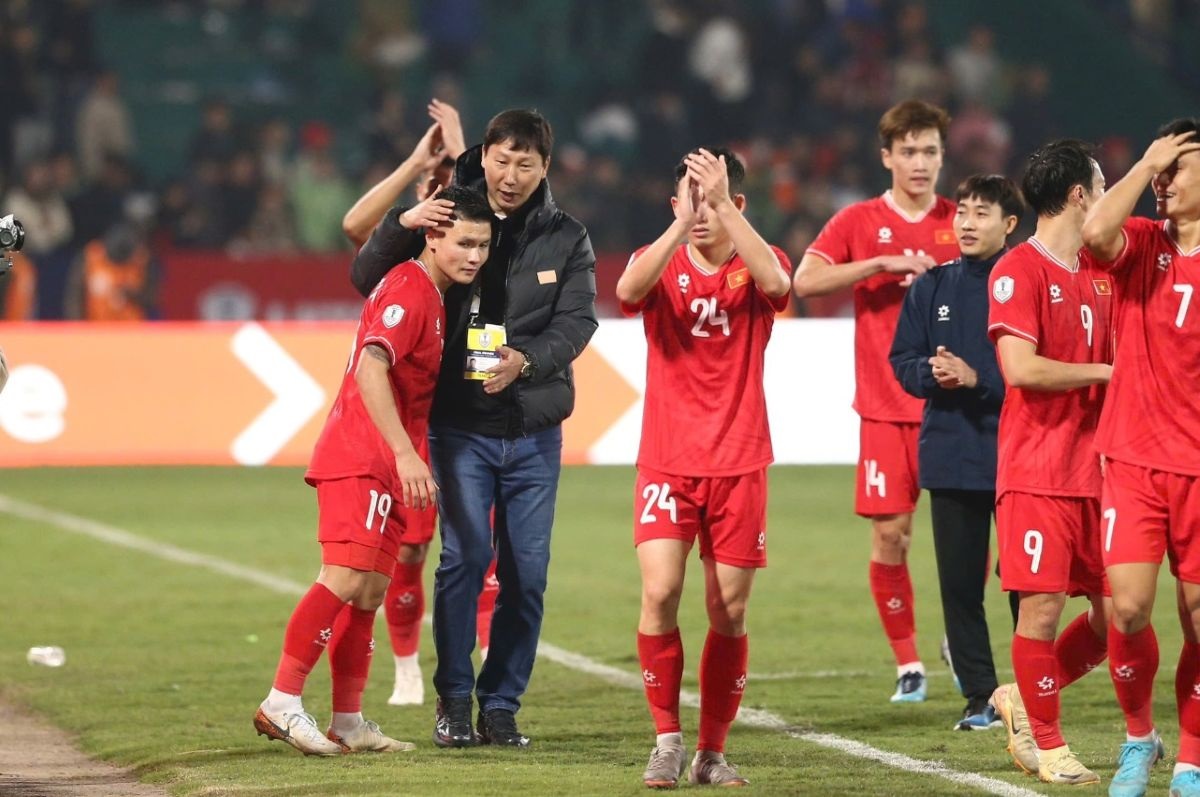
x: 550, y: 313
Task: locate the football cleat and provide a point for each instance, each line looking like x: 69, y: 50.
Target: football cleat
x: 1006, y: 702
x: 711, y: 769
x: 297, y: 729
x: 1134, y: 763
x: 1186, y: 784
x: 367, y: 738
x: 1061, y: 766
x: 665, y: 766
x: 910, y: 688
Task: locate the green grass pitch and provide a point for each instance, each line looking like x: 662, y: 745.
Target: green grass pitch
x: 166, y: 662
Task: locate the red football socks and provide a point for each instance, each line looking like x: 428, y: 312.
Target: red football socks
x: 1078, y: 650
x: 892, y: 589
x: 1036, y: 669
x: 350, y: 654
x: 1187, y: 698
x: 308, y: 632
x: 661, y: 656
x: 722, y: 681
x: 404, y: 606
x: 487, y: 605
x: 1133, y: 662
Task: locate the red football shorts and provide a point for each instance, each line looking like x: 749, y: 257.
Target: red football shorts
x: 1146, y: 512
x: 358, y: 524
x: 418, y: 525
x: 727, y: 513
x: 1050, y: 543
x: 887, y: 468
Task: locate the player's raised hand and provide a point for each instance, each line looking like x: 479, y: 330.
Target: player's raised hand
x: 446, y: 115
x: 710, y: 174
x: 1164, y: 151
x: 430, y: 150
x: 431, y: 212
x: 417, y: 487
x: 686, y: 203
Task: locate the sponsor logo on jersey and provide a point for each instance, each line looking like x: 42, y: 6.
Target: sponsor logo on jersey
x: 1103, y: 287
x: 1055, y: 293
x: 684, y: 282
x: 885, y: 235
x: 392, y: 315
x: 738, y: 278
x: 943, y: 237
x: 1002, y: 290
x: 1164, y: 261
x: 944, y: 313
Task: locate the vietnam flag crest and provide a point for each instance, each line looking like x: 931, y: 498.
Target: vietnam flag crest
x: 943, y: 237
x: 1103, y: 287
x: 738, y: 278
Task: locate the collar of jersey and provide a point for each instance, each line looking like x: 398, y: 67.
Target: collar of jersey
x: 917, y: 219
x: 688, y: 248
x: 1044, y: 252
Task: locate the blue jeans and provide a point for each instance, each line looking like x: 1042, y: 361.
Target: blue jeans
x: 519, y: 478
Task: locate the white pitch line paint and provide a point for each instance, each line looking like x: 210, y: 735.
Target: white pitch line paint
x: 751, y: 717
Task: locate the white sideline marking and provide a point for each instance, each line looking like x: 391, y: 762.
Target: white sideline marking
x: 754, y: 718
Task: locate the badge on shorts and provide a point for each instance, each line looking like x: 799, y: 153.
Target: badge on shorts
x: 392, y: 315
x: 1002, y: 290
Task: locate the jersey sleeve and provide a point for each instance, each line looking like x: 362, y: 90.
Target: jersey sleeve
x: 1137, y: 233
x: 392, y: 320
x: 833, y: 243
x: 1014, y: 303
x: 630, y: 309
x: 779, y: 303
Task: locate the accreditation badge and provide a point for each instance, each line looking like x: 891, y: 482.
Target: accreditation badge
x: 482, y: 342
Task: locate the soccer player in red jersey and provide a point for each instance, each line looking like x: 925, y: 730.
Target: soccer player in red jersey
x: 366, y: 460
x: 879, y: 246
x: 708, y: 290
x: 1050, y: 319
x: 430, y: 165
x: 1150, y: 437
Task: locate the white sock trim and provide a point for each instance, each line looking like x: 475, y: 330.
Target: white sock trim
x: 344, y: 722
x: 282, y: 703
x: 670, y: 739
x: 912, y: 666
x: 1184, y: 767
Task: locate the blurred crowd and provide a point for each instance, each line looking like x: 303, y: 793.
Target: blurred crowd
x: 796, y: 86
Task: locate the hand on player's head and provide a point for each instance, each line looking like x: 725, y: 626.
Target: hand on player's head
x: 709, y: 172
x: 431, y: 213
x: 1163, y: 152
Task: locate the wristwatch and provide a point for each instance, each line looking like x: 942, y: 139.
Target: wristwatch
x: 527, y: 367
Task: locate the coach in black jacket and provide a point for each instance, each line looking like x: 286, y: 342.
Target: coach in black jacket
x: 498, y: 442
x: 942, y: 353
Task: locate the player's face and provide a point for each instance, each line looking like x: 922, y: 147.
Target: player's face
x: 462, y: 250
x: 1097, y: 188
x: 708, y: 229
x: 915, y: 162
x: 1177, y: 190
x: 981, y: 227
x: 512, y: 175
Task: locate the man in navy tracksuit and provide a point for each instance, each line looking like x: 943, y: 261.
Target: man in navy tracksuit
x: 942, y: 353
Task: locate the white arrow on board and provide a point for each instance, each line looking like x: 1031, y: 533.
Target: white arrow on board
x: 297, y: 396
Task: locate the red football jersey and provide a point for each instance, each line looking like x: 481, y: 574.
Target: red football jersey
x: 705, y: 409
x: 862, y: 231
x: 1045, y: 439
x: 1152, y: 414
x: 404, y: 316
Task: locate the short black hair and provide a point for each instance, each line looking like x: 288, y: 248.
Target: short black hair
x: 1052, y: 170
x: 1184, y: 124
x: 469, y: 204
x: 994, y: 188
x: 527, y: 129
x: 733, y: 166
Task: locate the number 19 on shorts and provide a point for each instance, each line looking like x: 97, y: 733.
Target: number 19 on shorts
x: 381, y: 505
